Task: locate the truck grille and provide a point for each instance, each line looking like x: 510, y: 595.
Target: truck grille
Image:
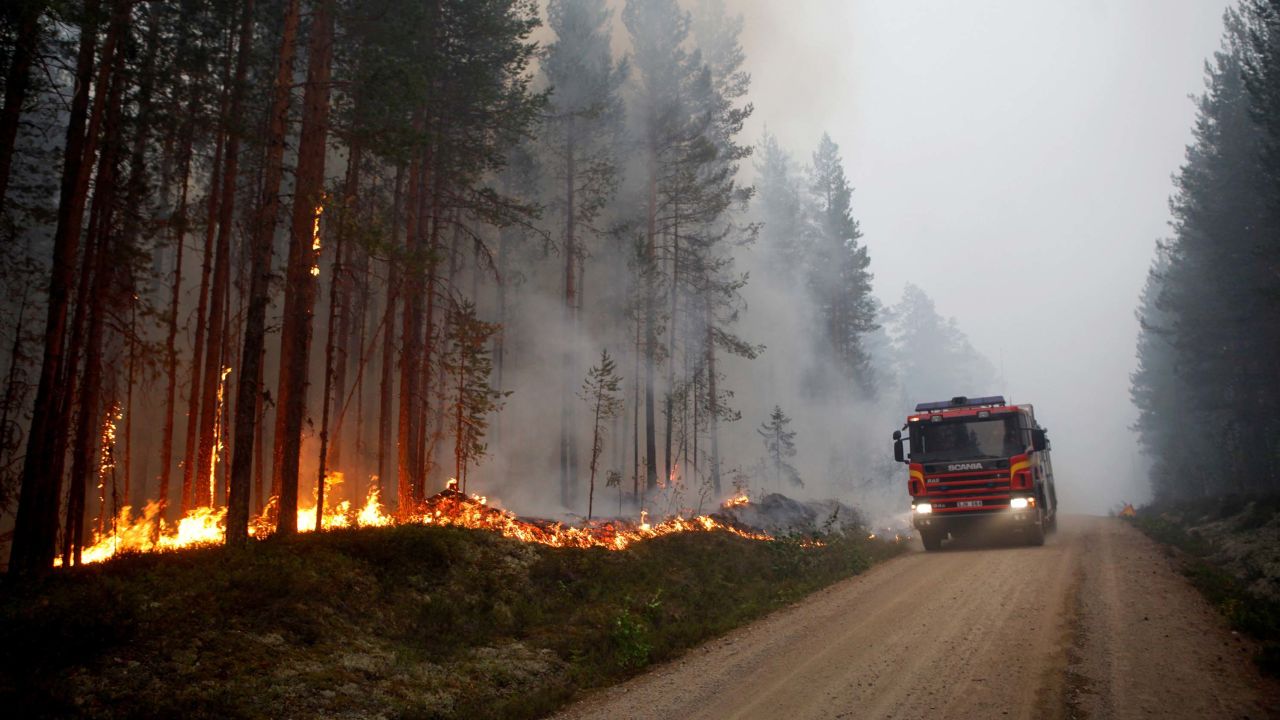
x: 989, y: 490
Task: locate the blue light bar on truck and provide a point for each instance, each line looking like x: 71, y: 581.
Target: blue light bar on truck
x: 960, y: 402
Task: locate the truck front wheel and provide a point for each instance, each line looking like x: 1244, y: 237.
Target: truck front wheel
x: 1035, y: 531
x: 932, y: 540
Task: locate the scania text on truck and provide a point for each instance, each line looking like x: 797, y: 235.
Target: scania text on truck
x: 977, y: 462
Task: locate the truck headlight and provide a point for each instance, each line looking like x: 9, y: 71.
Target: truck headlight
x: 923, y: 508
x: 1018, y: 503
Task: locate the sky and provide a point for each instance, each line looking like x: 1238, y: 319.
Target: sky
x: 1012, y: 158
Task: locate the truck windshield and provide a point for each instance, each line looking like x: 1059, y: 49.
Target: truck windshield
x: 967, y: 439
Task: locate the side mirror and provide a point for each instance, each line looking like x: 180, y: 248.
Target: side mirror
x: 897, y: 435
x: 1038, y: 439
x: 897, y: 447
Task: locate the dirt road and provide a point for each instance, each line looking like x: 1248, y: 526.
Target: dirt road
x: 1097, y: 623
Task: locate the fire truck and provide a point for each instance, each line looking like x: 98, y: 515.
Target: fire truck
x: 974, y: 463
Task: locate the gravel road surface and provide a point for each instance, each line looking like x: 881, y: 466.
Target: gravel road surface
x: 1096, y: 624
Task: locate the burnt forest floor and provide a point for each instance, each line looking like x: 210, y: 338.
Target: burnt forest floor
x: 403, y: 622
x: 1229, y: 548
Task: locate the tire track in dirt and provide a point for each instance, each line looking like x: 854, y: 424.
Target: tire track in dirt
x: 972, y: 632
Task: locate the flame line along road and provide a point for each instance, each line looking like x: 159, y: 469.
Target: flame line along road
x: 1097, y: 623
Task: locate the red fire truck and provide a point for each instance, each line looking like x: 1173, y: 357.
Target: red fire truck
x: 977, y: 462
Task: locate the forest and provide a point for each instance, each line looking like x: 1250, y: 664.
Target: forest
x: 1206, y: 384
x: 266, y: 262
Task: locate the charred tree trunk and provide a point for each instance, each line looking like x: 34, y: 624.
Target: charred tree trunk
x: 250, y: 404
x: 295, y: 335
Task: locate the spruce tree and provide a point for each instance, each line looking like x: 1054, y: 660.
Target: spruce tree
x: 779, y: 447
x: 838, y: 274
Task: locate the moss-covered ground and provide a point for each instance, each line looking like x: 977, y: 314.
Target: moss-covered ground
x: 405, y: 622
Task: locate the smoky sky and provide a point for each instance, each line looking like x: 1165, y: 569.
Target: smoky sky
x: 1012, y: 158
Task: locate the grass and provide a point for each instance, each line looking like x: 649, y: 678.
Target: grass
x: 1246, y: 612
x: 406, y: 622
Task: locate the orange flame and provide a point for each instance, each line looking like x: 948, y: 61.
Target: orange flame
x: 315, y: 240
x: 449, y: 508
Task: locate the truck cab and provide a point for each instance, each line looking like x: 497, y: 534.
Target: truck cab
x: 977, y: 462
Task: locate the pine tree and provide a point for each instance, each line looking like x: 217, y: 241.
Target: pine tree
x: 658, y: 30
x: 472, y: 399
x: 582, y: 135
x: 602, y: 392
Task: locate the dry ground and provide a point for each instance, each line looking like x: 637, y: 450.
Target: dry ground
x: 1097, y: 623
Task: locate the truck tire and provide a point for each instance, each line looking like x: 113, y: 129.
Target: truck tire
x: 932, y: 540
x: 1035, y: 531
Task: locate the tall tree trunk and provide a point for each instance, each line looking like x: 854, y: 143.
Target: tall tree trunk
x: 171, y: 348
x: 650, y: 329
x: 342, y: 294
x: 637, y: 352
x: 250, y: 404
x: 198, y: 349
x: 103, y: 273
x: 432, y: 337
x: 713, y: 407
x: 500, y: 337
x: 568, y: 449
x: 389, y: 338
x: 671, y: 345
x: 211, y: 402
x: 410, y: 347
x: 295, y: 335
x: 17, y: 81
x: 36, y: 523
x: 131, y: 343
x: 335, y: 310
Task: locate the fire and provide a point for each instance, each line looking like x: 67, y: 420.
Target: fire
x: 315, y: 239
x: 218, y: 445
x: 448, y: 508
x: 452, y: 508
x: 736, y: 501
x: 106, y: 452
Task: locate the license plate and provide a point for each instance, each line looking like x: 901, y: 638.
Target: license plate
x: 969, y: 503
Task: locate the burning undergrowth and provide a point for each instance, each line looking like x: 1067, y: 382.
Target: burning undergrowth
x: 148, y: 532
x: 422, y: 620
